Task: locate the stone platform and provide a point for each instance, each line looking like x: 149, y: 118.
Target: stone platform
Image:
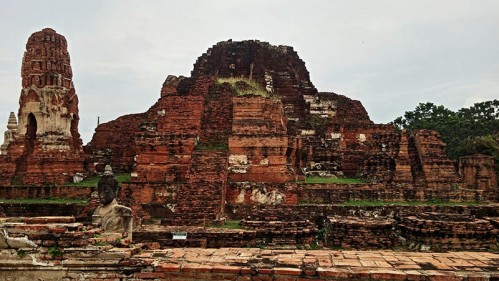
x: 251, y: 264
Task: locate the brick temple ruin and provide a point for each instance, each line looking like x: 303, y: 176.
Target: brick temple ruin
x: 44, y: 147
x: 236, y: 141
x: 210, y: 140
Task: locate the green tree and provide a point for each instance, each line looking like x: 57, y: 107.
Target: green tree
x: 488, y: 145
x: 458, y: 129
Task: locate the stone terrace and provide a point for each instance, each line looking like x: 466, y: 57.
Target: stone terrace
x: 253, y: 264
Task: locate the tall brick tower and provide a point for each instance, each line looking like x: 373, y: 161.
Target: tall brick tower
x: 47, y: 148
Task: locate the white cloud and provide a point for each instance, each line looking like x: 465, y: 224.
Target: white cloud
x: 390, y: 55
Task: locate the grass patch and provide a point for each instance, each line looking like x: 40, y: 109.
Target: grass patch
x: 229, y: 224
x: 55, y: 252
x: 122, y: 177
x: 43, y: 201
x: 408, y: 203
x: 21, y: 253
x: 316, y: 179
x: 244, y: 86
x: 94, y: 180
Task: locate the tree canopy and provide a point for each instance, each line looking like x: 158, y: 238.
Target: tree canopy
x: 467, y: 131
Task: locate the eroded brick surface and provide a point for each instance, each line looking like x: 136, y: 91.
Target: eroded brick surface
x: 46, y: 149
x: 257, y: 264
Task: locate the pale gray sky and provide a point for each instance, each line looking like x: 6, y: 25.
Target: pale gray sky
x: 390, y: 55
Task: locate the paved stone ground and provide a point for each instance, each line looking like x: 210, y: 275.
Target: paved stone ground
x: 250, y: 264
x: 388, y: 265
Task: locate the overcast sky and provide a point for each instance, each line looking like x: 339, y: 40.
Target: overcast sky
x: 390, y: 55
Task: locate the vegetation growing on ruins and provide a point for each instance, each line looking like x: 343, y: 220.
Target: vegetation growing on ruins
x: 220, y: 146
x: 434, y: 202
x: 316, y: 179
x: 21, y: 253
x: 55, y: 252
x: 319, y: 124
x: 244, y: 86
x: 43, y: 201
x: 467, y: 131
x: 92, y: 181
x: 229, y: 224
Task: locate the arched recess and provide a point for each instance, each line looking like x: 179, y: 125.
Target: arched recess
x: 32, y: 126
x: 74, y: 127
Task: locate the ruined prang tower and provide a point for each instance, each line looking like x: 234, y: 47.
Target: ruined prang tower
x: 46, y: 149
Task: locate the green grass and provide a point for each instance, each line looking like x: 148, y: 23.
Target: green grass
x: 94, y: 180
x: 408, y: 203
x: 55, y: 252
x: 316, y: 179
x: 229, y: 224
x: 43, y: 201
x: 253, y: 87
x: 309, y: 202
x: 122, y: 177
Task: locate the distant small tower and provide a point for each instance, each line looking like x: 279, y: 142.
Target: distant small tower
x: 10, y: 134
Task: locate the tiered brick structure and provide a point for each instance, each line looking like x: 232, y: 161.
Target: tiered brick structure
x: 167, y: 137
x: 478, y: 171
x: 50, y: 231
x: 277, y: 68
x: 259, y: 141
x: 279, y: 226
x: 10, y: 134
x: 415, y: 158
x: 437, y: 232
x: 436, y: 167
x: 170, y: 151
x: 47, y: 148
x: 382, y: 151
x: 201, y: 201
x: 113, y: 144
x: 359, y: 233
x: 251, y: 108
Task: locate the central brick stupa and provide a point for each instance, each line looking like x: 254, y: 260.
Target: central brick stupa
x: 47, y: 148
x: 245, y: 128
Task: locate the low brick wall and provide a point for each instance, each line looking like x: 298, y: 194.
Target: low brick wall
x: 196, y: 236
x: 440, y: 232
x: 252, y: 193
x: 35, y: 210
x: 359, y: 233
x: 317, y: 213
x: 262, y: 193
x: 339, y: 193
x: 30, y: 192
x: 60, y: 232
x: 280, y: 226
x: 251, y: 234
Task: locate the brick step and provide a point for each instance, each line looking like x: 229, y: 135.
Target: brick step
x: 200, y: 204
x: 208, y: 176
x: 189, y: 221
x: 196, y: 194
x: 178, y: 243
x: 210, y: 198
x: 199, y: 213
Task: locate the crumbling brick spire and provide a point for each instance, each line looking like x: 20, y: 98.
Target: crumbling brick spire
x: 48, y: 147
